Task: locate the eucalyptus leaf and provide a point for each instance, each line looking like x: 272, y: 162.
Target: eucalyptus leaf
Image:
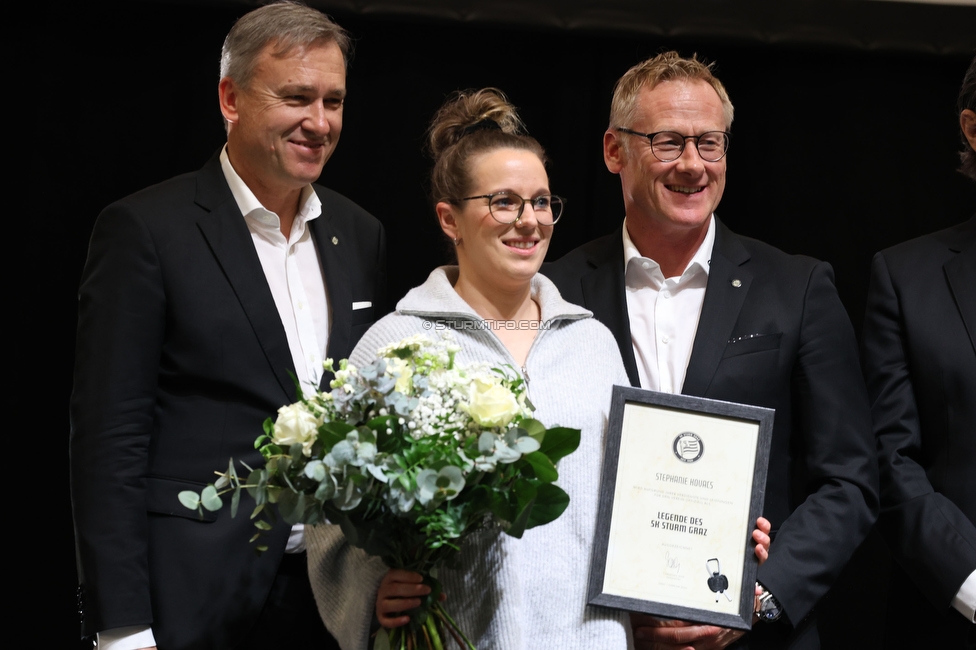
x: 235, y: 501
x: 287, y: 502
x: 296, y: 514
x: 262, y: 524
x: 326, y: 489
x: 189, y: 499
x: 210, y: 500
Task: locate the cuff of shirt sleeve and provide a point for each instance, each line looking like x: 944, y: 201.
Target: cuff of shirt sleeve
x: 126, y: 638
x: 965, y: 600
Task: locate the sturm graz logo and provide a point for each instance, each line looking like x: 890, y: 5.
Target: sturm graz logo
x: 688, y: 447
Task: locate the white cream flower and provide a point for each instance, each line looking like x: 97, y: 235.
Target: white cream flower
x: 296, y: 424
x: 490, y: 403
x: 403, y: 372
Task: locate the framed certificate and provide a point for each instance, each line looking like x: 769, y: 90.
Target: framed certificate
x: 683, y: 484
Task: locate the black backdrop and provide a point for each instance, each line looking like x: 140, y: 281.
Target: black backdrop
x: 838, y: 151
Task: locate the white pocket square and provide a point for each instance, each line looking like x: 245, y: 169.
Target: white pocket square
x: 363, y: 304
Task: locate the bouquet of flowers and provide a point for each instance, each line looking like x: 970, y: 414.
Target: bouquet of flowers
x: 408, y: 455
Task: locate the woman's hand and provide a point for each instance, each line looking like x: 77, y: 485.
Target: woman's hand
x: 761, y: 537
x: 399, y: 592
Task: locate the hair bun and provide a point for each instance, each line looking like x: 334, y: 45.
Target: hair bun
x: 471, y: 111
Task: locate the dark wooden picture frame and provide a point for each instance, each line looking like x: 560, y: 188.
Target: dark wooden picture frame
x: 628, y: 397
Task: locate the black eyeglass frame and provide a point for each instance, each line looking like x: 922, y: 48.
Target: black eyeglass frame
x: 684, y: 140
x: 521, y: 209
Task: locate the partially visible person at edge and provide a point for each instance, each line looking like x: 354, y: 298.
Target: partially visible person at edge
x: 699, y: 310
x: 919, y: 355
x: 504, y: 596
x: 201, y: 298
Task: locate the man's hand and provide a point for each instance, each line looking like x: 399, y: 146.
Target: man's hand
x: 651, y: 633
x: 761, y: 537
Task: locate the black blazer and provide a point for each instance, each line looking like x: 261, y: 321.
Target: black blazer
x: 772, y: 333
x: 920, y: 367
x: 181, y: 356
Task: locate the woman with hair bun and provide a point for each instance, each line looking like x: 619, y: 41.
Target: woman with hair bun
x: 492, y: 199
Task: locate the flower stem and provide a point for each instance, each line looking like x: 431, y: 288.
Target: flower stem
x: 430, y: 631
x: 453, y: 628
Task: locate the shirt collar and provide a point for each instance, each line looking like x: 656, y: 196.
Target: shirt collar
x: 699, y: 262
x: 251, y: 208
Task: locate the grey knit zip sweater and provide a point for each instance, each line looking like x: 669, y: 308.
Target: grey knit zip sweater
x: 510, y: 594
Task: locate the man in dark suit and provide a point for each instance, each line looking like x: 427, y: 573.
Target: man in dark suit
x: 202, y: 298
x: 696, y: 309
x: 920, y: 368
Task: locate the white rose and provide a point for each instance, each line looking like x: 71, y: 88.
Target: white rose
x: 296, y: 424
x: 490, y: 403
x: 403, y: 371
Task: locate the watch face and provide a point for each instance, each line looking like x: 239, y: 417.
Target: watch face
x: 769, y: 608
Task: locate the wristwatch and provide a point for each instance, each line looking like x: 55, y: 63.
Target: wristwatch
x: 769, y: 608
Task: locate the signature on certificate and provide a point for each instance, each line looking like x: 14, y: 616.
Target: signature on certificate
x: 672, y: 565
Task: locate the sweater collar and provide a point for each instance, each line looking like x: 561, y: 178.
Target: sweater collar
x: 437, y: 297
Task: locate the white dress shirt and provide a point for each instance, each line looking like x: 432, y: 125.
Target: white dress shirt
x: 294, y: 275
x: 664, y: 313
x: 965, y: 600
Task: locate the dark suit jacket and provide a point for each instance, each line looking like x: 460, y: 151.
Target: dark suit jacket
x: 920, y: 367
x: 181, y: 356
x: 772, y: 333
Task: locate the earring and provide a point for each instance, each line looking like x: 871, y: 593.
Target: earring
x: 456, y: 241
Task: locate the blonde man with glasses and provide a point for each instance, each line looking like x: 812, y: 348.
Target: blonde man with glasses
x: 699, y: 310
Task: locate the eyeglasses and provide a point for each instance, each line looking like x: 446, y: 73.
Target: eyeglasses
x: 668, y: 145
x: 506, y: 207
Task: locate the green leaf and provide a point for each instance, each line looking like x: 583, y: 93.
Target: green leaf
x: 262, y: 524
x: 288, y: 504
x: 268, y: 427
x: 332, y: 432
x: 258, y: 485
x: 349, y: 530
x: 550, y: 502
x: 534, y: 428
x: 210, y: 500
x: 559, y: 443
x: 296, y: 452
x: 382, y: 640
x: 366, y: 434
x: 235, y: 501
x: 526, y: 493
x: 545, y: 471
x: 189, y: 499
